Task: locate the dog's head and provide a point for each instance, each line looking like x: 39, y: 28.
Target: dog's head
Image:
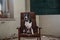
x: 27, y: 17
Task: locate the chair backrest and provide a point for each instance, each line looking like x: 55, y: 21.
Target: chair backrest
x: 31, y: 15
x: 25, y: 16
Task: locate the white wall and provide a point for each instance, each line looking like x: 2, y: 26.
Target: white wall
x: 50, y: 24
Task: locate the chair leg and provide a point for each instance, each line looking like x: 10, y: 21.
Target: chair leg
x: 37, y: 38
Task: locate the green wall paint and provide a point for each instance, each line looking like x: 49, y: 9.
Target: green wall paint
x: 45, y: 7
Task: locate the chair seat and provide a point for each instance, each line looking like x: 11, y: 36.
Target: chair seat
x: 29, y: 35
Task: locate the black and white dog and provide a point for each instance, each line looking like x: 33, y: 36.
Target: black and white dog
x: 28, y: 23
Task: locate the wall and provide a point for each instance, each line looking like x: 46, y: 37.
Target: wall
x: 50, y: 24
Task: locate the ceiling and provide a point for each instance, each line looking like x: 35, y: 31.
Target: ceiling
x: 50, y: 24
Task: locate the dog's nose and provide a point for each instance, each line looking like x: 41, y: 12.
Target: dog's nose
x: 26, y: 19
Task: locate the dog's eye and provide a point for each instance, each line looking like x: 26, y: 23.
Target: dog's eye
x: 25, y: 18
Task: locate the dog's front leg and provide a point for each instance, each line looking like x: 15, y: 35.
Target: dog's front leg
x: 32, y: 31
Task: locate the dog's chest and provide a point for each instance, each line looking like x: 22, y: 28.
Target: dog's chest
x: 28, y: 24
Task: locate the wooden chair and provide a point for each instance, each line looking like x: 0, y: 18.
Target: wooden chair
x: 36, y: 29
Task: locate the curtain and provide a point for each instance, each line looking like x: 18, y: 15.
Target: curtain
x: 5, y: 7
x: 0, y: 4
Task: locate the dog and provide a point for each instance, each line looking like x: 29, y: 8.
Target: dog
x: 28, y: 24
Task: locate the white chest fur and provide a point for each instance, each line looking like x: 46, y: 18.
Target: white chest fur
x: 28, y: 24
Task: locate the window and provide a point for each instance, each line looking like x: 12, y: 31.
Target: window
x: 6, y: 9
